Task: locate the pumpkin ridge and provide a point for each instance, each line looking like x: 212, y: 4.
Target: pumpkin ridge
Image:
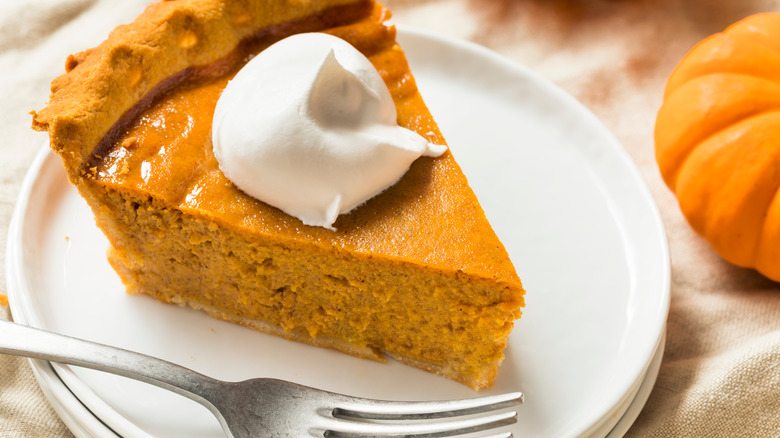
x: 762, y: 28
x: 689, y: 142
x: 721, y: 131
x: 725, y: 53
x: 767, y: 255
x: 764, y: 236
x: 730, y: 211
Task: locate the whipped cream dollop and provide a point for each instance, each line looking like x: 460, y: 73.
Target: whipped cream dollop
x: 309, y: 127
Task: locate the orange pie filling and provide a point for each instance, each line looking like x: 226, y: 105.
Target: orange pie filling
x: 183, y: 233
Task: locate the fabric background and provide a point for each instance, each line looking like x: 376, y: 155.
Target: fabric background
x: 720, y: 374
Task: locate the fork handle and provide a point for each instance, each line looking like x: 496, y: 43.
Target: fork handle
x: 21, y: 340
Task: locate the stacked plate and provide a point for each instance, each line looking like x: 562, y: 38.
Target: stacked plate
x: 570, y: 206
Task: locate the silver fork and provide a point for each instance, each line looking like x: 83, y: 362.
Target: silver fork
x: 271, y: 407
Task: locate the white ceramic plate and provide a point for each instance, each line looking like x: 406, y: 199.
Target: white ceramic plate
x: 571, y: 208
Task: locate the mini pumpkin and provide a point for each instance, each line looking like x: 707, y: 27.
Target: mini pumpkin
x: 717, y: 139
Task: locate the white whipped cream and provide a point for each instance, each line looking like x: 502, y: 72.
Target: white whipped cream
x: 309, y: 127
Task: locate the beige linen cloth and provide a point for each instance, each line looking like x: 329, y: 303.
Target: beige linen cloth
x: 720, y: 374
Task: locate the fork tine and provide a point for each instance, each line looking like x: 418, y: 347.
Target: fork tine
x: 351, y: 429
x: 388, y: 410
x: 500, y: 435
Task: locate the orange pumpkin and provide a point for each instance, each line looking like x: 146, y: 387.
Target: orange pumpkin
x: 717, y: 139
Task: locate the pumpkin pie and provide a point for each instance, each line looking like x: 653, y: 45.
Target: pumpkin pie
x: 416, y: 273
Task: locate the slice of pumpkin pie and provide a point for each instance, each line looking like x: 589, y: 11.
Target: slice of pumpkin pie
x: 322, y: 245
